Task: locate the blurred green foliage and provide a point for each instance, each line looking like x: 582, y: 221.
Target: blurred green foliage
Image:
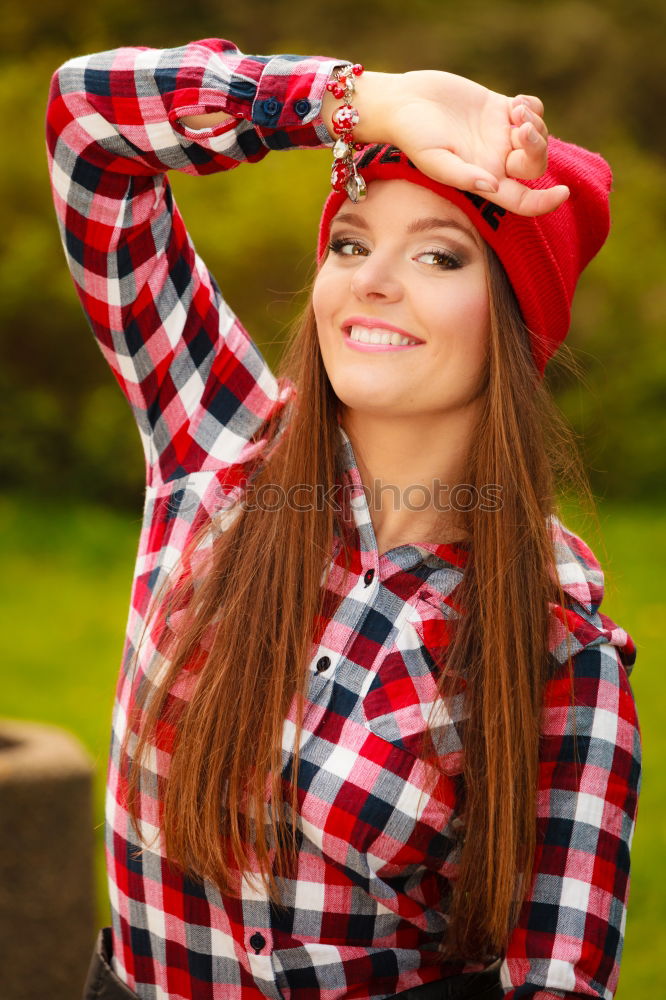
x: 597, y: 66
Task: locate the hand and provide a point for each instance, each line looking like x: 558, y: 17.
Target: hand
x: 462, y: 134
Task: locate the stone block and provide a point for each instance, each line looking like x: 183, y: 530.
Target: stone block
x: 47, y: 888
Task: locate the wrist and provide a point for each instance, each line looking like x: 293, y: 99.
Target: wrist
x: 374, y: 97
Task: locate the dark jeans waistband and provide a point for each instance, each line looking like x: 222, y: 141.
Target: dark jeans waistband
x: 101, y: 982
x: 467, y: 986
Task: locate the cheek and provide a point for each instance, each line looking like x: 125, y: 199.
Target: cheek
x: 326, y: 299
x: 462, y: 337
x: 479, y: 313
x: 319, y: 297
x: 467, y: 315
x: 463, y: 312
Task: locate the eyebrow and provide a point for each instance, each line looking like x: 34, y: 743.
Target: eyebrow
x: 418, y: 226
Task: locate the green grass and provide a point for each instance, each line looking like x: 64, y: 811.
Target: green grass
x: 65, y: 590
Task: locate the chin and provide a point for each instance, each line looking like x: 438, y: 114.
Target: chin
x: 360, y: 394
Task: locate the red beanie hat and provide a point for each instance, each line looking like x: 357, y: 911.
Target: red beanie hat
x: 544, y: 256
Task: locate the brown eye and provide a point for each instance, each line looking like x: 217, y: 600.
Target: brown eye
x: 444, y: 259
x: 346, y: 247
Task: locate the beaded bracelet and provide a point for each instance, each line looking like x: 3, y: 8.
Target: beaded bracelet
x: 344, y: 175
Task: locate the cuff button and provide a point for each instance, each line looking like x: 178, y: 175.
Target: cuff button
x: 301, y: 107
x: 271, y: 106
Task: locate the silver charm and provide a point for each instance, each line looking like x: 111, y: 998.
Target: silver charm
x: 340, y: 149
x: 356, y: 187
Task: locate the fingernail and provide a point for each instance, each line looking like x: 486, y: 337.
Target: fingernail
x: 532, y: 134
x: 484, y: 186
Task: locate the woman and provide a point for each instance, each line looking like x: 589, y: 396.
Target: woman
x: 360, y: 747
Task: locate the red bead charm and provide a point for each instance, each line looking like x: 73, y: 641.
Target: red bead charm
x: 345, y: 119
x: 357, y: 69
x: 337, y: 88
x: 340, y: 174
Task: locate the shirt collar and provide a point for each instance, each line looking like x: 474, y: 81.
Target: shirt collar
x: 440, y: 565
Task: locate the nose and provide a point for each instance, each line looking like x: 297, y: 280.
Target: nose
x: 376, y: 278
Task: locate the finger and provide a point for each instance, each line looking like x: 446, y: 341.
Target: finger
x: 520, y: 113
x: 533, y: 103
x: 526, y: 136
x: 521, y: 200
x: 448, y: 168
x: 529, y: 157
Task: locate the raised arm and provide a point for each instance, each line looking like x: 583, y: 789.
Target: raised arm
x: 117, y: 121
x: 456, y: 131
x: 199, y: 388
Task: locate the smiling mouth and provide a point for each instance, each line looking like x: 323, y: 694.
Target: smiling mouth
x: 378, y: 337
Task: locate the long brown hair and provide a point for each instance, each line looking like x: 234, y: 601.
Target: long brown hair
x: 239, y: 654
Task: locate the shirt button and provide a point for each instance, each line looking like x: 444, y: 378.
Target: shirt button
x: 302, y: 107
x: 323, y: 663
x: 271, y: 106
x: 368, y: 576
x: 257, y: 941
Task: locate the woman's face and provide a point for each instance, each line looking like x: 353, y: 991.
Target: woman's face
x: 406, y: 260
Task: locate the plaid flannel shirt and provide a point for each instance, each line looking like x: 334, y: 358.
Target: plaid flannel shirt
x: 365, y: 912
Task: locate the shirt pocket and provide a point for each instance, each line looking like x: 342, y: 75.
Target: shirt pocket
x: 405, y: 703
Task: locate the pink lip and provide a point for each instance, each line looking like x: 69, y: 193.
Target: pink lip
x: 378, y: 324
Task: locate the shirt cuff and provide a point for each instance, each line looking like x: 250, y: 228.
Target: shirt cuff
x: 289, y: 98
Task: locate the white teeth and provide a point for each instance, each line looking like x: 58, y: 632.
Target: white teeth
x: 378, y: 336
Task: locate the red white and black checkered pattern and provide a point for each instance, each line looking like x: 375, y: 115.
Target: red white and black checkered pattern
x: 379, y: 839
